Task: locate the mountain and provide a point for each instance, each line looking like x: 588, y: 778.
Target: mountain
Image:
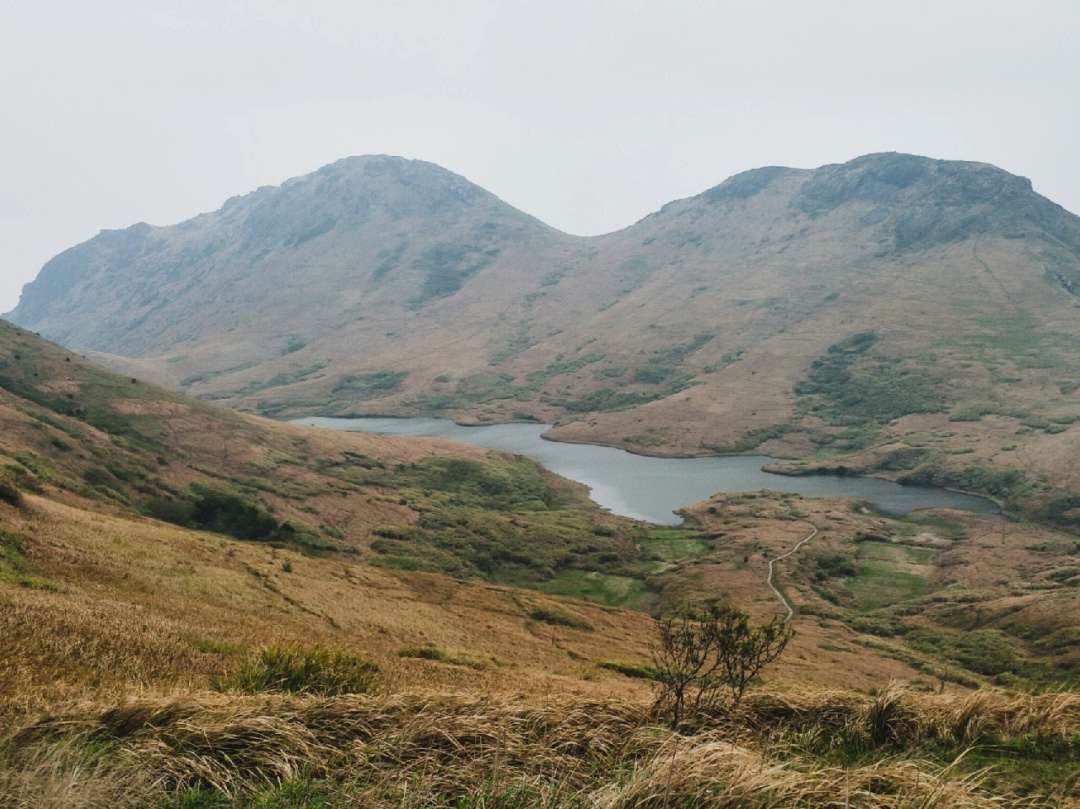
x: 890, y: 304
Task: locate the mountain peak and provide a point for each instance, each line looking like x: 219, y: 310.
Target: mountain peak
x: 929, y: 201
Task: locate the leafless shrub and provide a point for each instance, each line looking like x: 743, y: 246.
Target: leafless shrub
x: 707, y: 652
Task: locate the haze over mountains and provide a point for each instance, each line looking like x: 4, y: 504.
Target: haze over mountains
x: 814, y: 313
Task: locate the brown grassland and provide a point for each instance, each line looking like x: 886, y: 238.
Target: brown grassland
x: 933, y: 670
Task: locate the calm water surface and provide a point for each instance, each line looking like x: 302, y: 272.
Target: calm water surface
x: 651, y: 488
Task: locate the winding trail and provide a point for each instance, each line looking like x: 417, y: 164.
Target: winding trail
x: 772, y: 563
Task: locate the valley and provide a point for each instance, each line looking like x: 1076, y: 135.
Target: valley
x: 896, y: 314
x: 656, y: 489
x: 187, y: 508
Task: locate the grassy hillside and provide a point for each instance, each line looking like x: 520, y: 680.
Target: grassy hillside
x: 81, y: 434
x: 302, y: 507
x: 200, y: 608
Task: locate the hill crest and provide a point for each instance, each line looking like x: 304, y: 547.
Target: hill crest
x: 382, y: 285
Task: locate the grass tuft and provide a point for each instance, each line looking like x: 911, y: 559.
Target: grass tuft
x: 557, y: 617
x: 294, y: 670
x: 431, y: 652
x: 638, y: 671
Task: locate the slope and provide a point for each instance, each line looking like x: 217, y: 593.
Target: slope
x: 127, y: 640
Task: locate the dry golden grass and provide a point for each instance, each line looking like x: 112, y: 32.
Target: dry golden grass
x: 112, y: 642
x: 436, y: 750
x: 140, y: 605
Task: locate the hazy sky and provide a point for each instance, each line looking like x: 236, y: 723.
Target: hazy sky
x: 587, y: 115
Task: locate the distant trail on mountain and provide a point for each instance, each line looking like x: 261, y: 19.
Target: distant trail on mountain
x: 1006, y: 298
x: 772, y: 563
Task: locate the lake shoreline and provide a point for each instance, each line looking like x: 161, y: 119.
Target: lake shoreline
x: 654, y: 488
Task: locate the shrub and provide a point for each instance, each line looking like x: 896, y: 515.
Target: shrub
x: 651, y: 374
x: 225, y: 513
x: 177, y: 512
x: 835, y: 566
x: 1007, y: 484
x: 557, y: 617
x: 707, y: 651
x: 429, y: 651
x: 9, y: 492
x: 902, y: 460
x: 294, y: 670
x: 370, y: 386
x: 851, y: 382
x: 14, y: 567
x: 640, y: 671
x: 976, y: 412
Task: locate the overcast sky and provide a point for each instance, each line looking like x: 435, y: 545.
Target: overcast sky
x: 586, y: 115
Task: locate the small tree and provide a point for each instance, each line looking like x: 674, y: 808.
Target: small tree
x: 707, y: 651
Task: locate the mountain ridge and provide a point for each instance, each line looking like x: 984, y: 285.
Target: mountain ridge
x: 903, y: 170
x: 381, y: 285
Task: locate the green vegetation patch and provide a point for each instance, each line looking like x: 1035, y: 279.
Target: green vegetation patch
x: 883, y: 574
x: 514, y: 483
x: 651, y: 374
x: 665, y: 367
x: 445, y: 268
x: 909, y: 525
x: 752, y: 439
x: 983, y: 651
x: 296, y: 670
x: 976, y: 412
x: 606, y: 399
x: 1009, y: 486
x: 9, y: 489
x: 280, y: 380
x: 389, y: 259
x: 634, y: 272
x: 646, y: 439
x: 902, y: 460
x: 559, y: 617
x: 518, y: 343
x: 1014, y: 337
x: 674, y: 544
x: 640, y: 671
x: 429, y: 651
x: 537, y: 378
x: 293, y: 345
x: 500, y: 521
x: 371, y: 385
x: 852, y: 382
x: 613, y: 590
x: 1063, y: 512
x: 480, y: 388
x: 224, y: 512
x: 14, y: 566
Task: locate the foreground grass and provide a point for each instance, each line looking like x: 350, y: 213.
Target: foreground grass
x: 827, y: 749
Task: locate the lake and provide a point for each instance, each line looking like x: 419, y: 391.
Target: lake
x: 652, y: 488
